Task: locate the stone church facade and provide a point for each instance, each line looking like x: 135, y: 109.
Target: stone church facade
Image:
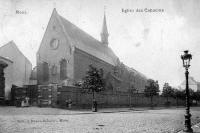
x: 66, y: 52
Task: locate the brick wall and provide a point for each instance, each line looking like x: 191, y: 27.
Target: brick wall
x: 82, y: 60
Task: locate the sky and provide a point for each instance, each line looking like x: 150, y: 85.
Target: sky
x: 150, y: 42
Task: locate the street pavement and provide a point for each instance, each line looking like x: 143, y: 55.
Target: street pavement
x: 115, y: 120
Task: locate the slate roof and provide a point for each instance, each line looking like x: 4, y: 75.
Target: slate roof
x: 191, y: 81
x: 87, y: 43
x: 11, y: 44
x: 136, y: 72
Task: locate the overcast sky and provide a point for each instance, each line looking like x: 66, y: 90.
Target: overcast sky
x: 148, y: 42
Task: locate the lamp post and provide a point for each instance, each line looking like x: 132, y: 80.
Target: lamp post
x: 186, y: 63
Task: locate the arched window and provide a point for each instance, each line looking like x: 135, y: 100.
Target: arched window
x: 45, y: 71
x: 54, y: 70
x: 63, y: 69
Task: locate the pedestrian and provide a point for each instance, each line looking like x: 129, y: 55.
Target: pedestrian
x: 95, y: 106
x: 69, y: 103
x: 66, y: 103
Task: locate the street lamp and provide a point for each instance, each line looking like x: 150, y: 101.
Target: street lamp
x: 186, y: 63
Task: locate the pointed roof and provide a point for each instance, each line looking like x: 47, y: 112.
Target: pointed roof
x: 104, y: 27
x: 85, y: 42
x: 11, y: 44
x: 136, y: 72
x: 191, y: 81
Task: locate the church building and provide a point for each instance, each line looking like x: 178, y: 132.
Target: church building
x: 66, y: 52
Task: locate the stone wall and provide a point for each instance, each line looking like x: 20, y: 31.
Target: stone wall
x: 109, y: 99
x: 53, y: 56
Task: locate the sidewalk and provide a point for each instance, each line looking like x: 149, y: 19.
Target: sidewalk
x: 12, y: 110
x: 115, y: 110
x: 196, y: 128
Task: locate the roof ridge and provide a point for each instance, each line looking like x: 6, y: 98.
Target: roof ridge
x: 132, y: 69
x: 6, y: 44
x: 12, y: 43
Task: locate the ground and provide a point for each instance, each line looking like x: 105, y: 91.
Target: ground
x: 123, y: 120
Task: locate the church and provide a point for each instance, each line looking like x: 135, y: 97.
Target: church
x: 66, y: 52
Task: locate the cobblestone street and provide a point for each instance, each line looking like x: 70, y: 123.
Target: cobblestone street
x: 52, y: 120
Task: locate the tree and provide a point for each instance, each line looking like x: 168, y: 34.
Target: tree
x: 93, y: 80
x: 196, y: 96
x: 167, y: 91
x: 131, y: 92
x: 151, y: 89
x: 177, y: 94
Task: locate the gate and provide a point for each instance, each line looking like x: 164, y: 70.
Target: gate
x: 47, y: 95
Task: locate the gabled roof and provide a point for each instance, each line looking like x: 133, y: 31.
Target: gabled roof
x: 191, y: 81
x: 136, y: 72
x: 11, y: 44
x: 83, y: 41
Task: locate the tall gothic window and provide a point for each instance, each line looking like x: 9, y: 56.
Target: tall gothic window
x: 45, y: 71
x: 54, y: 70
x: 63, y: 69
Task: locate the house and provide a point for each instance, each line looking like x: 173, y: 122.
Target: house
x: 193, y: 84
x: 66, y: 52
x: 15, y: 69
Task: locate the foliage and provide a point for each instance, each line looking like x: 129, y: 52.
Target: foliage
x: 132, y: 90
x: 78, y: 83
x: 195, y: 95
x: 152, y: 88
x: 168, y: 91
x: 93, y: 80
x: 180, y: 94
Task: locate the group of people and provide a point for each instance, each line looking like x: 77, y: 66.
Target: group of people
x: 68, y: 103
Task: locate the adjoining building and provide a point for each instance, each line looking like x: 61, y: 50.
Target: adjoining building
x: 15, y: 69
x: 193, y: 84
x: 66, y: 52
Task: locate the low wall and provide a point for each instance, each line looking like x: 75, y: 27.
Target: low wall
x: 109, y: 99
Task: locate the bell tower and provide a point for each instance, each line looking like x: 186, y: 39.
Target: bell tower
x: 104, y: 32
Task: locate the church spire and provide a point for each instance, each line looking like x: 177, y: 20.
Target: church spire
x: 104, y: 32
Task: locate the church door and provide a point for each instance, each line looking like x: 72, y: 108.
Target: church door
x: 2, y: 81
